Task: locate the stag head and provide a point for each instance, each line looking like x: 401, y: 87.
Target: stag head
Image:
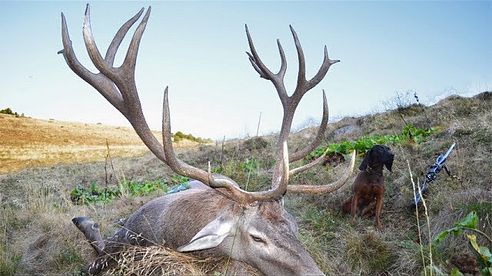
x: 248, y: 226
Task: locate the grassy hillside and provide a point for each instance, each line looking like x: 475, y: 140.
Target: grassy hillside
x: 37, y: 236
x: 27, y: 142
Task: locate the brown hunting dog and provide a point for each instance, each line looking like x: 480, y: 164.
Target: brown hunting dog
x: 369, y: 184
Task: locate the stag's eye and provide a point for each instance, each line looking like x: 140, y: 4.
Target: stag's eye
x: 257, y: 239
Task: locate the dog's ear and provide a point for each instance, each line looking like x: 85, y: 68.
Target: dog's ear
x: 365, y: 161
x: 388, y: 165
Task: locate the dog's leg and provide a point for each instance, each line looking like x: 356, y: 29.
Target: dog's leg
x: 347, y: 206
x: 355, y: 205
x: 379, y: 207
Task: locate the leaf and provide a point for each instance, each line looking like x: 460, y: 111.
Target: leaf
x: 470, y: 221
x: 486, y: 255
x: 444, y: 234
x: 473, y: 242
x: 455, y: 272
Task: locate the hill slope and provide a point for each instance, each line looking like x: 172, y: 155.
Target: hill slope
x: 40, y: 239
x: 27, y: 142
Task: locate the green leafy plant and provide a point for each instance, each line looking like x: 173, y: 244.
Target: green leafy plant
x: 144, y: 188
x: 93, y: 194
x: 409, y: 134
x: 178, y: 179
x: 96, y: 194
x: 250, y: 165
x: 470, y: 223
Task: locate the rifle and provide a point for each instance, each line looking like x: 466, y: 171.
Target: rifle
x: 431, y: 175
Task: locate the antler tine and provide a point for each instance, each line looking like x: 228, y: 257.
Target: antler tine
x: 118, y: 38
x: 298, y: 155
x: 323, y: 189
x: 116, y: 85
x: 301, y: 75
x: 92, y: 49
x: 216, y: 180
x: 131, y: 55
x: 304, y: 85
x: 173, y: 162
x: 100, y: 82
x: 260, y: 67
x: 255, y: 59
x: 325, y: 66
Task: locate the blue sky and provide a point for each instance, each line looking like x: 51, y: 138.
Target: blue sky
x: 198, y: 49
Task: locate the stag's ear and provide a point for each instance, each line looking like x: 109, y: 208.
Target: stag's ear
x: 211, y: 235
x: 365, y: 161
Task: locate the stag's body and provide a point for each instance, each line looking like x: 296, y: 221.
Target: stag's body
x: 156, y: 223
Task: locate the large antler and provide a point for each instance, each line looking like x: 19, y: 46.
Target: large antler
x: 117, y: 85
x: 290, y: 103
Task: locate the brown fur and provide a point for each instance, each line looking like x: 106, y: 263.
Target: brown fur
x: 368, y: 186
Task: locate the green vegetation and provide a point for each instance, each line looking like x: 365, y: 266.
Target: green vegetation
x: 321, y: 221
x: 363, y: 144
x: 470, y: 224
x: 95, y: 193
x: 8, y: 264
x: 180, y: 136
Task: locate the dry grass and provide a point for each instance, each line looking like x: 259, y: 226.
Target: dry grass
x: 27, y: 142
x: 36, y: 235
x: 159, y: 260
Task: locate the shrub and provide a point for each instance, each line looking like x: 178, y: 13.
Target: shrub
x: 409, y: 134
x: 95, y: 194
x: 180, y: 136
x: 9, y: 111
x: 470, y: 224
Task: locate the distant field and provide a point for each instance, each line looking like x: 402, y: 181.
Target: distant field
x: 27, y: 142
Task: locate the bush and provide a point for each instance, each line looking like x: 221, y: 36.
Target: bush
x: 95, y: 194
x: 180, y: 136
x: 361, y: 145
x: 9, y: 111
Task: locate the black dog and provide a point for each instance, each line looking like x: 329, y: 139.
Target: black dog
x: 369, y: 184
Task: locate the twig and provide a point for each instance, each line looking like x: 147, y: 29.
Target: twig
x: 417, y: 217
x: 423, y: 109
x: 108, y: 157
x: 258, y: 127
x: 428, y: 227
x: 222, y: 153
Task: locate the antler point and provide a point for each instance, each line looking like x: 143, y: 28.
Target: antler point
x: 87, y: 9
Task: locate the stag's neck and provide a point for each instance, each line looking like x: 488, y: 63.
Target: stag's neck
x: 196, y: 208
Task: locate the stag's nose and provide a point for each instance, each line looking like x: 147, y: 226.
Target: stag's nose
x: 308, y: 267
x: 312, y: 271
